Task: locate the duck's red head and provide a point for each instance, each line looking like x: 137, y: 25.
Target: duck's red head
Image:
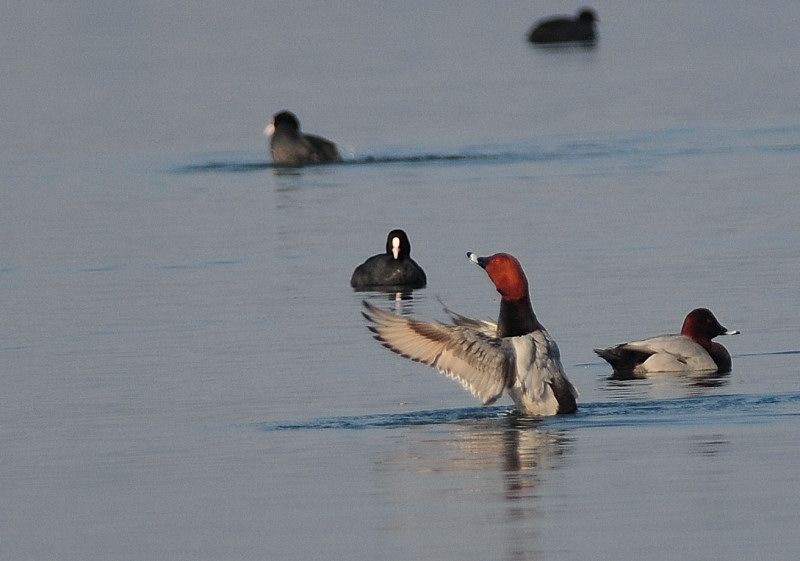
x: 701, y: 325
x: 506, y: 273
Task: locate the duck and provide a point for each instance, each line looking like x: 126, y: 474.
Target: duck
x: 516, y: 355
x: 290, y: 147
x: 395, y: 268
x: 563, y: 29
x: 692, y: 350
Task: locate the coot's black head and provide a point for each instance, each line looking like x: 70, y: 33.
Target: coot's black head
x: 397, y: 244
x: 286, y: 120
x: 587, y: 15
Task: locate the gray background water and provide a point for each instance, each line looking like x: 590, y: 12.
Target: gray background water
x: 185, y: 371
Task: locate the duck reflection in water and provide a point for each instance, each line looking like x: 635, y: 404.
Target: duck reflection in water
x: 683, y: 384
x: 489, y: 460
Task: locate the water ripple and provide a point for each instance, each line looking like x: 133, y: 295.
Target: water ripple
x: 391, y: 420
x: 221, y: 166
x: 770, y: 353
x: 645, y: 145
x: 687, y: 411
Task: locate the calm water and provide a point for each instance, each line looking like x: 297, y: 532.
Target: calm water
x: 185, y: 371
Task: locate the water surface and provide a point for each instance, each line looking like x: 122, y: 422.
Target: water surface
x: 186, y: 372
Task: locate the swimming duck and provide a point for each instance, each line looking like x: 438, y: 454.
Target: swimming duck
x: 395, y: 268
x: 691, y: 350
x: 290, y: 147
x: 516, y: 355
x: 562, y: 29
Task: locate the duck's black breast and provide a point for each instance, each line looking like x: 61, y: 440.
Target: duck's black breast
x: 720, y: 356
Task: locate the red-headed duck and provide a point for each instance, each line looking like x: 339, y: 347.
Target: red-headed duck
x: 290, y: 147
x: 564, y: 29
x: 516, y: 355
x: 394, y: 269
x: 691, y: 350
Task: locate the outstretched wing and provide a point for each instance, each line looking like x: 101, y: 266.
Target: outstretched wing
x: 486, y: 327
x: 482, y: 364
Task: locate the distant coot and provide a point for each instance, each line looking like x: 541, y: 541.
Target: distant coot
x: 564, y: 29
x: 290, y: 147
x: 395, y: 268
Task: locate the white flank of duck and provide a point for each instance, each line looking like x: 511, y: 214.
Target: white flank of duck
x: 691, y: 350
